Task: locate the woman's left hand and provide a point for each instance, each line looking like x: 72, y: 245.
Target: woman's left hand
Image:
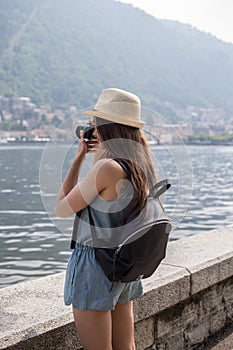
x: 85, y: 147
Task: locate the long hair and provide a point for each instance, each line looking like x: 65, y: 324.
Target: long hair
x: 129, y: 144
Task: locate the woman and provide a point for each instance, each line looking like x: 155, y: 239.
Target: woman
x: 103, y: 312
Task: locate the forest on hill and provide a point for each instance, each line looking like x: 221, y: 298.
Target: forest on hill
x: 64, y: 52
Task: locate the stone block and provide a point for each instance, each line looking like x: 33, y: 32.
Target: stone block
x: 144, y: 333
x: 212, y: 297
x: 171, y: 342
x: 192, y: 311
x: 197, y: 333
x: 168, y: 286
x: 170, y: 322
x: 227, y: 290
x: 218, y: 320
x: 227, y: 293
x: 176, y: 342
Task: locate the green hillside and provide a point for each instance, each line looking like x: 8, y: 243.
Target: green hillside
x: 65, y: 51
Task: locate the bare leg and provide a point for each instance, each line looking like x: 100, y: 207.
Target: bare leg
x: 94, y: 329
x: 123, y: 327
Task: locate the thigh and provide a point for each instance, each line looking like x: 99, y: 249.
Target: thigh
x: 123, y: 327
x: 94, y: 328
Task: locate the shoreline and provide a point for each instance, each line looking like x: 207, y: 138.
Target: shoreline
x: 43, y: 141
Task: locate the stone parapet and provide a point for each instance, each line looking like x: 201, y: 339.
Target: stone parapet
x: 188, y: 299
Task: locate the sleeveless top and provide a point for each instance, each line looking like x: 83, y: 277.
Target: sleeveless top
x: 108, y: 217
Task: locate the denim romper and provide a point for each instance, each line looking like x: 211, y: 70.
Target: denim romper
x: 86, y: 285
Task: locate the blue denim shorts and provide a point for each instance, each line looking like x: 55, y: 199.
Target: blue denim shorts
x: 88, y: 288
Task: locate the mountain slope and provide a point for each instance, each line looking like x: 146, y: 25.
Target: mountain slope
x: 65, y: 52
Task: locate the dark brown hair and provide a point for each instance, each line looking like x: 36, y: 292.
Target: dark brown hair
x: 129, y: 144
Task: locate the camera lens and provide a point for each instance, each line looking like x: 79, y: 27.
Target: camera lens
x: 88, y: 131
x: 78, y: 129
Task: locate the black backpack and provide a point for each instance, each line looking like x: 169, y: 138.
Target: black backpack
x: 139, y: 255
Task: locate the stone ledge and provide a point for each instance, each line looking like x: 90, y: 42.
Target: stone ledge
x: 34, y: 311
x: 32, y: 308
x: 168, y: 286
x: 207, y: 256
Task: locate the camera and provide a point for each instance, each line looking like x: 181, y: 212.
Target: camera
x: 88, y: 130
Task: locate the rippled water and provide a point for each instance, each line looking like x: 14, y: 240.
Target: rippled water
x: 211, y: 204
x: 32, y: 245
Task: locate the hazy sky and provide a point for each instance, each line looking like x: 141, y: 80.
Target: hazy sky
x: 213, y: 16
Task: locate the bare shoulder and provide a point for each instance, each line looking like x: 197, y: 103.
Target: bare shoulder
x: 109, y: 168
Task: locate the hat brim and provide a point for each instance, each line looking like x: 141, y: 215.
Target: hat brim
x: 114, y: 118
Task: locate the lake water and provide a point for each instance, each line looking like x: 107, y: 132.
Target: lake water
x: 33, y: 245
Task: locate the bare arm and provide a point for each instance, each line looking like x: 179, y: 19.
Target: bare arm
x: 102, y: 178
x: 64, y: 204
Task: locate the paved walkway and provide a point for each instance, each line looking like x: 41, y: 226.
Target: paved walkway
x: 225, y: 344
x: 222, y: 341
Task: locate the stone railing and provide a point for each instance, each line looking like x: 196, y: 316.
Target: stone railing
x: 188, y: 299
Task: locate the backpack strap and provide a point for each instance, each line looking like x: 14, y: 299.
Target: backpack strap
x: 75, y: 229
x: 124, y: 166
x: 161, y: 187
x: 92, y: 226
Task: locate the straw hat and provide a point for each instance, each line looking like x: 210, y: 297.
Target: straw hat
x: 118, y: 106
